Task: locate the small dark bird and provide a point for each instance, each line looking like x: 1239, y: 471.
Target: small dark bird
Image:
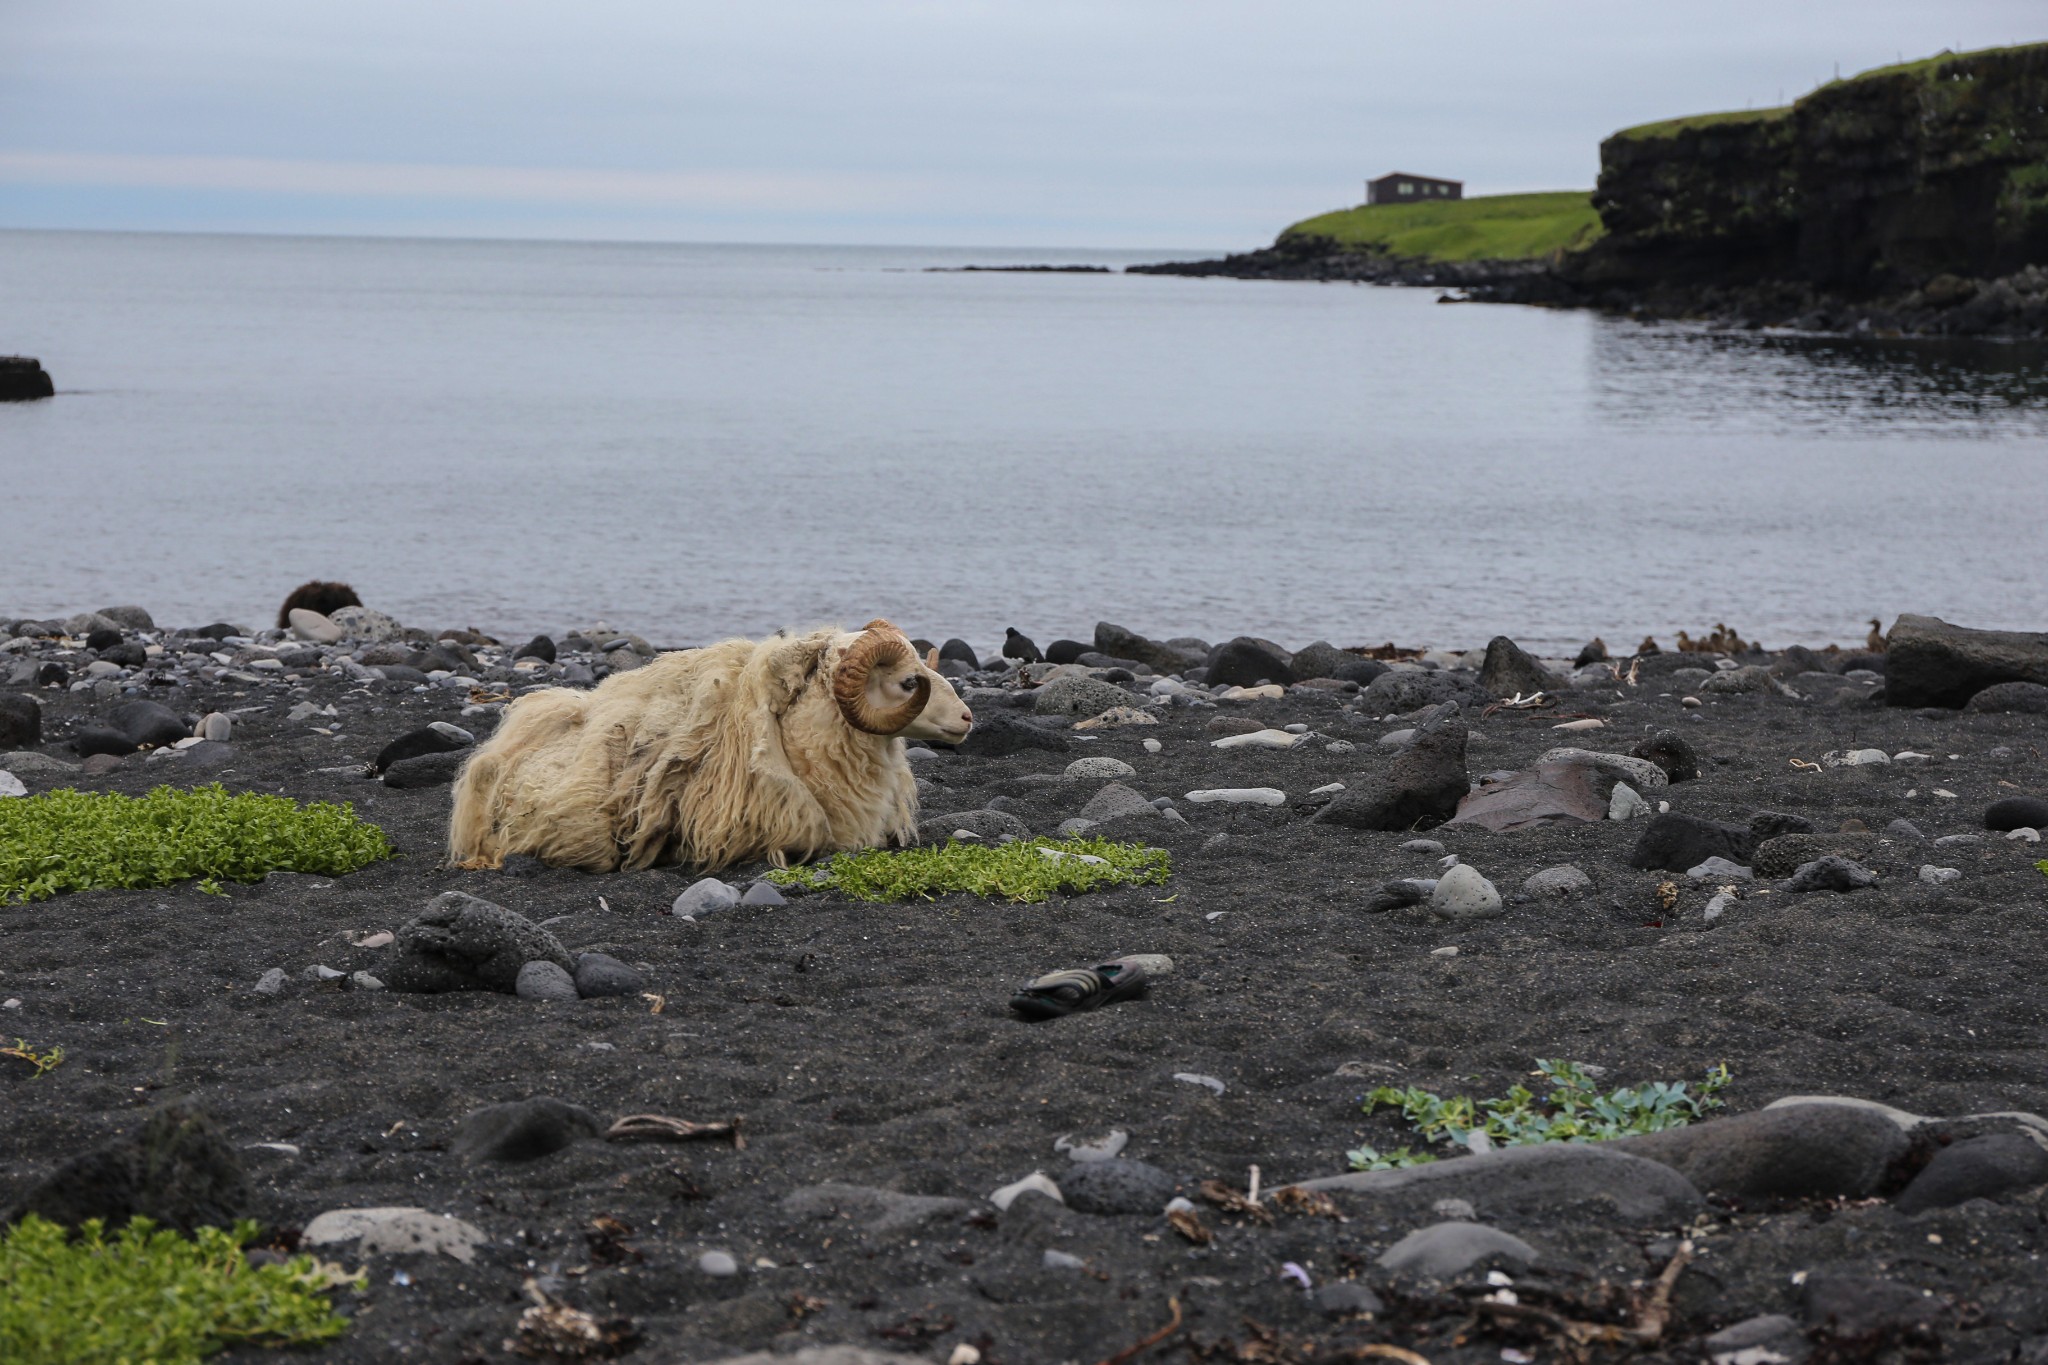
x: 1592, y: 654
x: 1648, y: 646
x: 1686, y: 644
x: 1016, y: 646
x: 319, y: 596
x: 1875, y: 641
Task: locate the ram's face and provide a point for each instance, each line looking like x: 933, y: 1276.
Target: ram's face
x: 882, y: 687
x: 945, y: 717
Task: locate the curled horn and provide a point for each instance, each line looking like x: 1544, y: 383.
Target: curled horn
x: 881, y: 644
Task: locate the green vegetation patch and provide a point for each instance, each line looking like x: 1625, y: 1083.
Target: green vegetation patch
x: 1493, y: 227
x: 148, y: 1294
x: 76, y: 841
x: 1672, y: 127
x: 1574, y: 1110
x: 1026, y: 870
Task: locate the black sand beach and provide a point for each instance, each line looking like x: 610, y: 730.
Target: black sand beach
x: 869, y: 1046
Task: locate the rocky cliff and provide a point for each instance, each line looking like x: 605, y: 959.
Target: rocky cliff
x: 1908, y: 199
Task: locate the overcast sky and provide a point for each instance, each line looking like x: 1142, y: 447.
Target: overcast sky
x: 1143, y: 123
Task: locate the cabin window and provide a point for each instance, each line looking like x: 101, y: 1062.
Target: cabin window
x: 1407, y: 188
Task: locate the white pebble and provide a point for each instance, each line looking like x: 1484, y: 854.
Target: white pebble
x: 1242, y: 796
x: 1327, y: 788
x: 718, y: 1263
x: 1443, y: 952
x: 2024, y: 835
x: 1037, y: 1180
x: 1197, y: 1078
x: 1259, y: 739
x: 1938, y: 876
x: 1153, y: 746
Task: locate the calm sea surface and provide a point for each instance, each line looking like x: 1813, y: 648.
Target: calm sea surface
x: 691, y: 441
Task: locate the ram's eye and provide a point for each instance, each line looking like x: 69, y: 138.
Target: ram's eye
x: 909, y: 684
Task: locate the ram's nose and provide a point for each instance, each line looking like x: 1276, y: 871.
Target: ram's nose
x: 967, y: 715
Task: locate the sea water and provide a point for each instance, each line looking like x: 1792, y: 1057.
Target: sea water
x: 692, y: 441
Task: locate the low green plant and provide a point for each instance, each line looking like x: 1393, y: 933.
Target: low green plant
x: 149, y: 1294
x: 1024, y: 870
x: 1573, y: 1110
x: 76, y: 841
x: 1485, y: 227
x: 43, y: 1062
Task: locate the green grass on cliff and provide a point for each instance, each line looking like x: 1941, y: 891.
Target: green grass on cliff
x: 1925, y: 69
x: 1495, y: 227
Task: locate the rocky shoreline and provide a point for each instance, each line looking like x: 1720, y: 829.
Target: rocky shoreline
x: 2011, y: 307
x: 1411, y: 870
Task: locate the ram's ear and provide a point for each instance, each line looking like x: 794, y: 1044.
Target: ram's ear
x: 931, y: 658
x: 789, y: 666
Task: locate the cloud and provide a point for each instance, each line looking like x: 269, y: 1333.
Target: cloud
x: 518, y: 184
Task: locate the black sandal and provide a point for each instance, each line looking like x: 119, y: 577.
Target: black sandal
x: 1057, y: 994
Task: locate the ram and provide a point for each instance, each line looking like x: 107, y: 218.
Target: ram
x: 782, y: 749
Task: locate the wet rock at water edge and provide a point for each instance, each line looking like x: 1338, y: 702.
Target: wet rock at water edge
x: 1510, y: 671
x: 1932, y: 663
x: 1247, y: 661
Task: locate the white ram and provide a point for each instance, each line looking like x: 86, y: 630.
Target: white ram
x: 781, y: 748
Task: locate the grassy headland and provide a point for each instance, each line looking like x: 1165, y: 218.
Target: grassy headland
x: 1498, y: 227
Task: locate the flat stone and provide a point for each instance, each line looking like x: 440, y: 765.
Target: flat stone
x: 1240, y: 796
x: 1445, y: 1250
x: 1259, y: 739
x: 314, y: 626
x: 1982, y: 1167
x: 1639, y: 773
x: 523, y: 1130
x: 1516, y: 1180
x: 1794, y: 1152
x: 1559, y: 883
x: 1718, y: 870
x: 1548, y: 794
x: 1939, y: 876
x: 427, y: 770
x: 271, y: 982
x: 417, y: 1232
x: 1077, y: 696
x: 877, y: 1212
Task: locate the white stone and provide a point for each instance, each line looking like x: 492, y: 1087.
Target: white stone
x: 1100, y: 767
x: 1242, y: 796
x: 452, y: 732
x: 718, y: 1264
x: 1640, y: 773
x: 1688, y: 701
x: 1037, y: 1180
x: 1625, y: 803
x: 1462, y: 893
x: 1588, y: 723
x: 314, y: 626
x: 2024, y: 835
x: 1270, y: 692
x: 1339, y: 746
x: 216, y: 727
x: 391, y: 1231
x: 1327, y: 788
x: 1718, y: 869
x: 1450, y: 951
x: 1719, y: 905
x: 1092, y: 1149
x: 1153, y: 746
x: 1909, y: 756
x: 1259, y: 739
x: 1858, y: 758
x: 1197, y: 1078
x: 1938, y: 876
x: 10, y: 785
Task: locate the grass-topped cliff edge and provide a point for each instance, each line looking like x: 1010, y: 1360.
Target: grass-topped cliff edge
x: 1495, y: 227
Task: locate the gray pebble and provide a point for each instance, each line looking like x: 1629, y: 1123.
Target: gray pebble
x: 271, y: 982
x: 1060, y: 1260
x: 363, y: 981
x: 544, y: 980
x: 1444, y: 1250
x: 1102, y: 768
x: 600, y: 974
x: 701, y: 897
x: 763, y: 893
x: 719, y: 1264
x: 1429, y: 846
